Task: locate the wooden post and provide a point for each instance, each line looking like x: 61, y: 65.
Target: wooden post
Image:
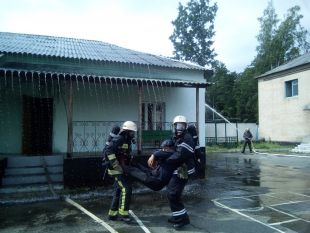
x: 140, y: 119
x: 69, y: 120
x: 197, y: 109
x: 237, y: 132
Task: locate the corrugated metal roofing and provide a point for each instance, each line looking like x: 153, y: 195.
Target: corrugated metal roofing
x: 98, y: 78
x: 72, y: 48
x: 299, y: 61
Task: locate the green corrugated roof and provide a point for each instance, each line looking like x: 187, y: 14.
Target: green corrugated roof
x: 72, y: 48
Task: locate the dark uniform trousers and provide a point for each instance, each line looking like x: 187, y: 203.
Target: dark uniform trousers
x: 122, y: 195
x: 174, y: 192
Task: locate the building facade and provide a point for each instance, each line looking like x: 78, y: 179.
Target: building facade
x: 284, y: 101
x: 63, y: 95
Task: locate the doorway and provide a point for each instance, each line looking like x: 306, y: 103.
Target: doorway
x: 37, y: 125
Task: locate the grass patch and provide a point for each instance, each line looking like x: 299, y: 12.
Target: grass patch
x: 260, y: 146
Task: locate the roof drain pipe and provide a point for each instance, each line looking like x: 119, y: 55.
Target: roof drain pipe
x: 48, y: 178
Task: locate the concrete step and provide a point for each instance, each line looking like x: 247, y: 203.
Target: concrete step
x: 29, y: 188
x: 31, y: 179
x: 302, y: 148
x: 34, y: 161
x: 32, y: 170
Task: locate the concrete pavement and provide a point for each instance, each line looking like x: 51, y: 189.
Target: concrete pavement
x: 242, y: 193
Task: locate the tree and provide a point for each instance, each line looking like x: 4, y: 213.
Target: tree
x: 279, y: 43
x: 193, y: 32
x: 219, y: 95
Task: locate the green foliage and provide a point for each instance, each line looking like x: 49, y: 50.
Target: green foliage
x: 193, y: 32
x: 220, y: 95
x: 258, y: 146
x: 246, y: 96
x: 236, y: 95
x: 279, y: 43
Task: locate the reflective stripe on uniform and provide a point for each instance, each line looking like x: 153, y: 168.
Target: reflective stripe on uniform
x: 125, y: 146
x: 186, y: 146
x: 178, y: 213
x: 122, y: 212
x: 121, y: 209
x: 111, y: 156
x: 113, y: 212
x: 191, y: 171
x: 114, y: 172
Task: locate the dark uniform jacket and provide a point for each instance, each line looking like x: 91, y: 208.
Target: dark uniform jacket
x: 247, y: 135
x: 184, y: 153
x: 117, y: 152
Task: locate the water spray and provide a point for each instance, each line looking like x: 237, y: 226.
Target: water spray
x: 225, y: 119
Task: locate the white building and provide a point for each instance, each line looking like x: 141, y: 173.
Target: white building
x: 284, y: 101
x: 63, y: 95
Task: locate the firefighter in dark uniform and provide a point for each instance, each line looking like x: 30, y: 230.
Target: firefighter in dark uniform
x: 117, y: 153
x: 183, y: 158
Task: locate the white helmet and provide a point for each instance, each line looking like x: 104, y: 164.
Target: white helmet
x: 179, y: 119
x: 129, y: 125
x: 180, y: 124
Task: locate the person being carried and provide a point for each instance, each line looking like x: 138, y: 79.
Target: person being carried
x: 159, y: 173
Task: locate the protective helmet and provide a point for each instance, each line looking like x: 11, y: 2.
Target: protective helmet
x: 167, y: 143
x: 180, y: 124
x: 129, y: 125
x: 179, y: 119
x: 192, y: 130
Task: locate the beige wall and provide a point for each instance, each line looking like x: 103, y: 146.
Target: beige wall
x: 284, y: 118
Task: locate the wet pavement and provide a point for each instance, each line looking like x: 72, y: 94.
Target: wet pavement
x: 242, y: 193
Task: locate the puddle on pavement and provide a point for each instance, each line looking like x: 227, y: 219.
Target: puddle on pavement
x: 267, y: 215
x: 301, y: 209
x: 298, y: 226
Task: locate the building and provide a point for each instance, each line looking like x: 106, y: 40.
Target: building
x: 284, y: 101
x: 61, y: 96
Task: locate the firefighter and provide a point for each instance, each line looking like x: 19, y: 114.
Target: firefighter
x: 199, y: 155
x: 183, y: 158
x: 247, y: 136
x: 117, y: 153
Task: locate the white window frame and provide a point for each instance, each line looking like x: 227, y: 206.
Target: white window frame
x: 291, y: 88
x: 153, y: 115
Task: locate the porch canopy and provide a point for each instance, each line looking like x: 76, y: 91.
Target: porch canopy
x: 45, y: 76
x: 52, y: 60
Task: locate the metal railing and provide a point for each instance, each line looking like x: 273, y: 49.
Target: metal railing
x: 89, y: 137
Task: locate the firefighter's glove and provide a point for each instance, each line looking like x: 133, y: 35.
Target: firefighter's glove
x: 182, y: 171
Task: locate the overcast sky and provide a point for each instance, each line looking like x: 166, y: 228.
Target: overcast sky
x: 143, y: 25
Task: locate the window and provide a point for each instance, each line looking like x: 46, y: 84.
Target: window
x: 291, y: 88
x: 153, y: 116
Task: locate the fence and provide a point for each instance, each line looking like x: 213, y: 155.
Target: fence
x: 89, y: 137
x: 225, y: 133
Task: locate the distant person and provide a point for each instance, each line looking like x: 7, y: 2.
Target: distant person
x: 247, y: 136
